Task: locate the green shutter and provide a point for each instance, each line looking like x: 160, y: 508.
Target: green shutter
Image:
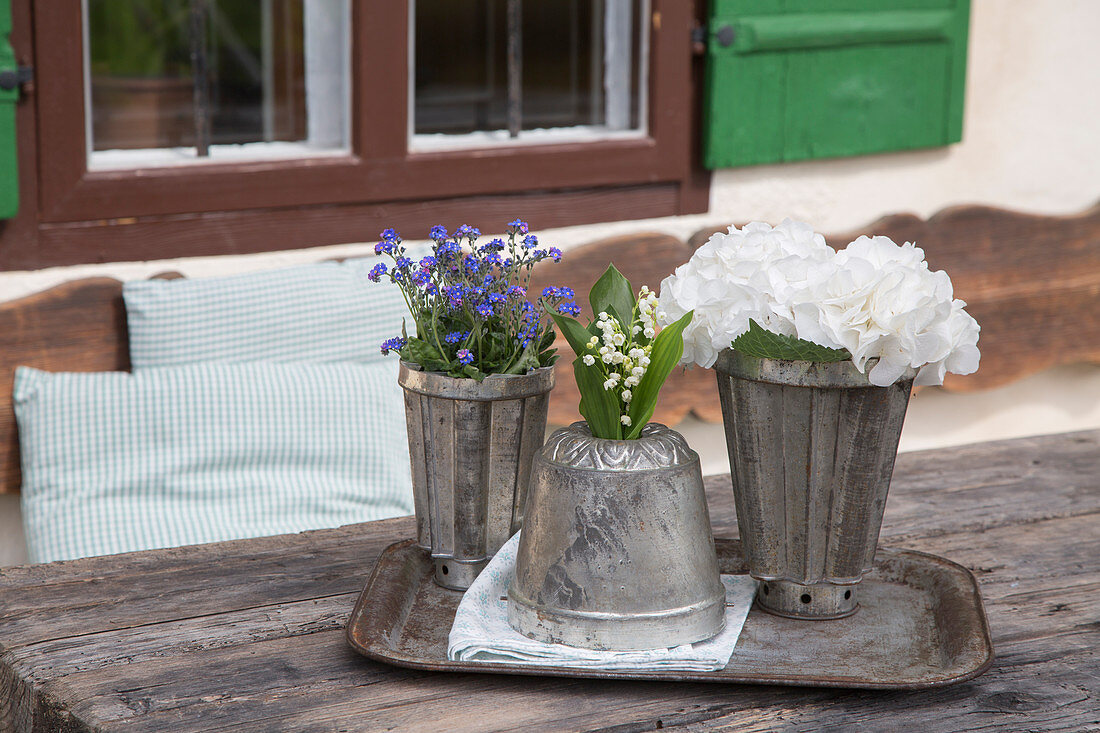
x: 799, y: 79
x: 9, y: 174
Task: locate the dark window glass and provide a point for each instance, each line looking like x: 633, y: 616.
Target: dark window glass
x: 147, y: 60
x: 579, y: 64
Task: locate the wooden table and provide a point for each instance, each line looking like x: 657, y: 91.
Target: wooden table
x: 249, y: 635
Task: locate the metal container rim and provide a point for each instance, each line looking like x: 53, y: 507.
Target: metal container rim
x: 494, y: 387
x: 832, y: 375
x: 685, y: 456
x: 823, y: 580
x: 641, y: 469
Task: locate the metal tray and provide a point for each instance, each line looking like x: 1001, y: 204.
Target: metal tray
x: 921, y: 624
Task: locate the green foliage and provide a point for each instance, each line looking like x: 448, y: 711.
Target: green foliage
x: 612, y: 392
x: 576, y: 334
x: 425, y: 354
x: 599, y: 407
x: 612, y: 294
x: 528, y: 359
x: 469, y: 302
x: 764, y: 344
x: 139, y: 38
x: 668, y: 347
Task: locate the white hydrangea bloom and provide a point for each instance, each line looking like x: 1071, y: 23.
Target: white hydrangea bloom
x: 874, y: 298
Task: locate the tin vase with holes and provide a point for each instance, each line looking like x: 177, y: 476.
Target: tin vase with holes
x: 471, y: 445
x: 476, y: 376
x: 816, y: 352
x: 812, y: 448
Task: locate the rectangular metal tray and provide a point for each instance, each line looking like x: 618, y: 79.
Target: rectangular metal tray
x: 921, y: 624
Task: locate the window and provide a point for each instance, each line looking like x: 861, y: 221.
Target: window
x: 322, y: 121
x: 544, y: 70
x: 172, y: 82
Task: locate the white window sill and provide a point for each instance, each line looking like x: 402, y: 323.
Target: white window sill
x: 499, y: 138
x: 107, y: 160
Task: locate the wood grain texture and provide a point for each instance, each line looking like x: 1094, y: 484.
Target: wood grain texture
x: 264, y: 230
x: 247, y: 635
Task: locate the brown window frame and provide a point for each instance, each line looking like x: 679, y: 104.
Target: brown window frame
x: 154, y: 213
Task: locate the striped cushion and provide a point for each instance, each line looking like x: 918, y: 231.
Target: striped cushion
x: 114, y: 462
x: 321, y: 312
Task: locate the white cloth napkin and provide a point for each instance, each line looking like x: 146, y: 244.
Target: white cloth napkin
x: 481, y: 632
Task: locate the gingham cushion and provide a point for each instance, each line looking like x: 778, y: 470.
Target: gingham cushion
x: 322, y: 312
x: 114, y: 462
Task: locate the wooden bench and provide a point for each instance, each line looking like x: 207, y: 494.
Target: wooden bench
x: 1032, y: 282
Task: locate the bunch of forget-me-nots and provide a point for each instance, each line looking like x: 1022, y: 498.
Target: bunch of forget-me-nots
x: 470, y: 302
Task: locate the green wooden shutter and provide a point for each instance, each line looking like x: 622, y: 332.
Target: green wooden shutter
x: 9, y: 174
x: 798, y: 79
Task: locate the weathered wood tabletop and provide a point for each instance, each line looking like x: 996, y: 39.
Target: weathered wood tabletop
x: 249, y: 635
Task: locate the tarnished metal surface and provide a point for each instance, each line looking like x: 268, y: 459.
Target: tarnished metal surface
x: 922, y: 624
x: 820, y: 601
x: 470, y: 446
x: 812, y: 448
x: 616, y: 551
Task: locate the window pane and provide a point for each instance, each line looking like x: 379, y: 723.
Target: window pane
x: 275, y: 71
x: 580, y: 64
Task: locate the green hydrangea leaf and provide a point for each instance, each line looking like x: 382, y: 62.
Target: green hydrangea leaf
x: 764, y: 344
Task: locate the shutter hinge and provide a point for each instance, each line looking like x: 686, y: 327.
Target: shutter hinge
x: 698, y: 39
x: 725, y: 37
x: 16, y: 78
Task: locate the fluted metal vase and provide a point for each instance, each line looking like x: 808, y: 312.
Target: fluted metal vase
x: 471, y: 445
x: 616, y: 550
x: 812, y: 448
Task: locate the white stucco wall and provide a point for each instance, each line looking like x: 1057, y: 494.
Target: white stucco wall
x: 1030, y: 143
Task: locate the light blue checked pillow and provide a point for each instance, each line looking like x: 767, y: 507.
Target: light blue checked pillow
x: 322, y: 312
x: 114, y: 462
